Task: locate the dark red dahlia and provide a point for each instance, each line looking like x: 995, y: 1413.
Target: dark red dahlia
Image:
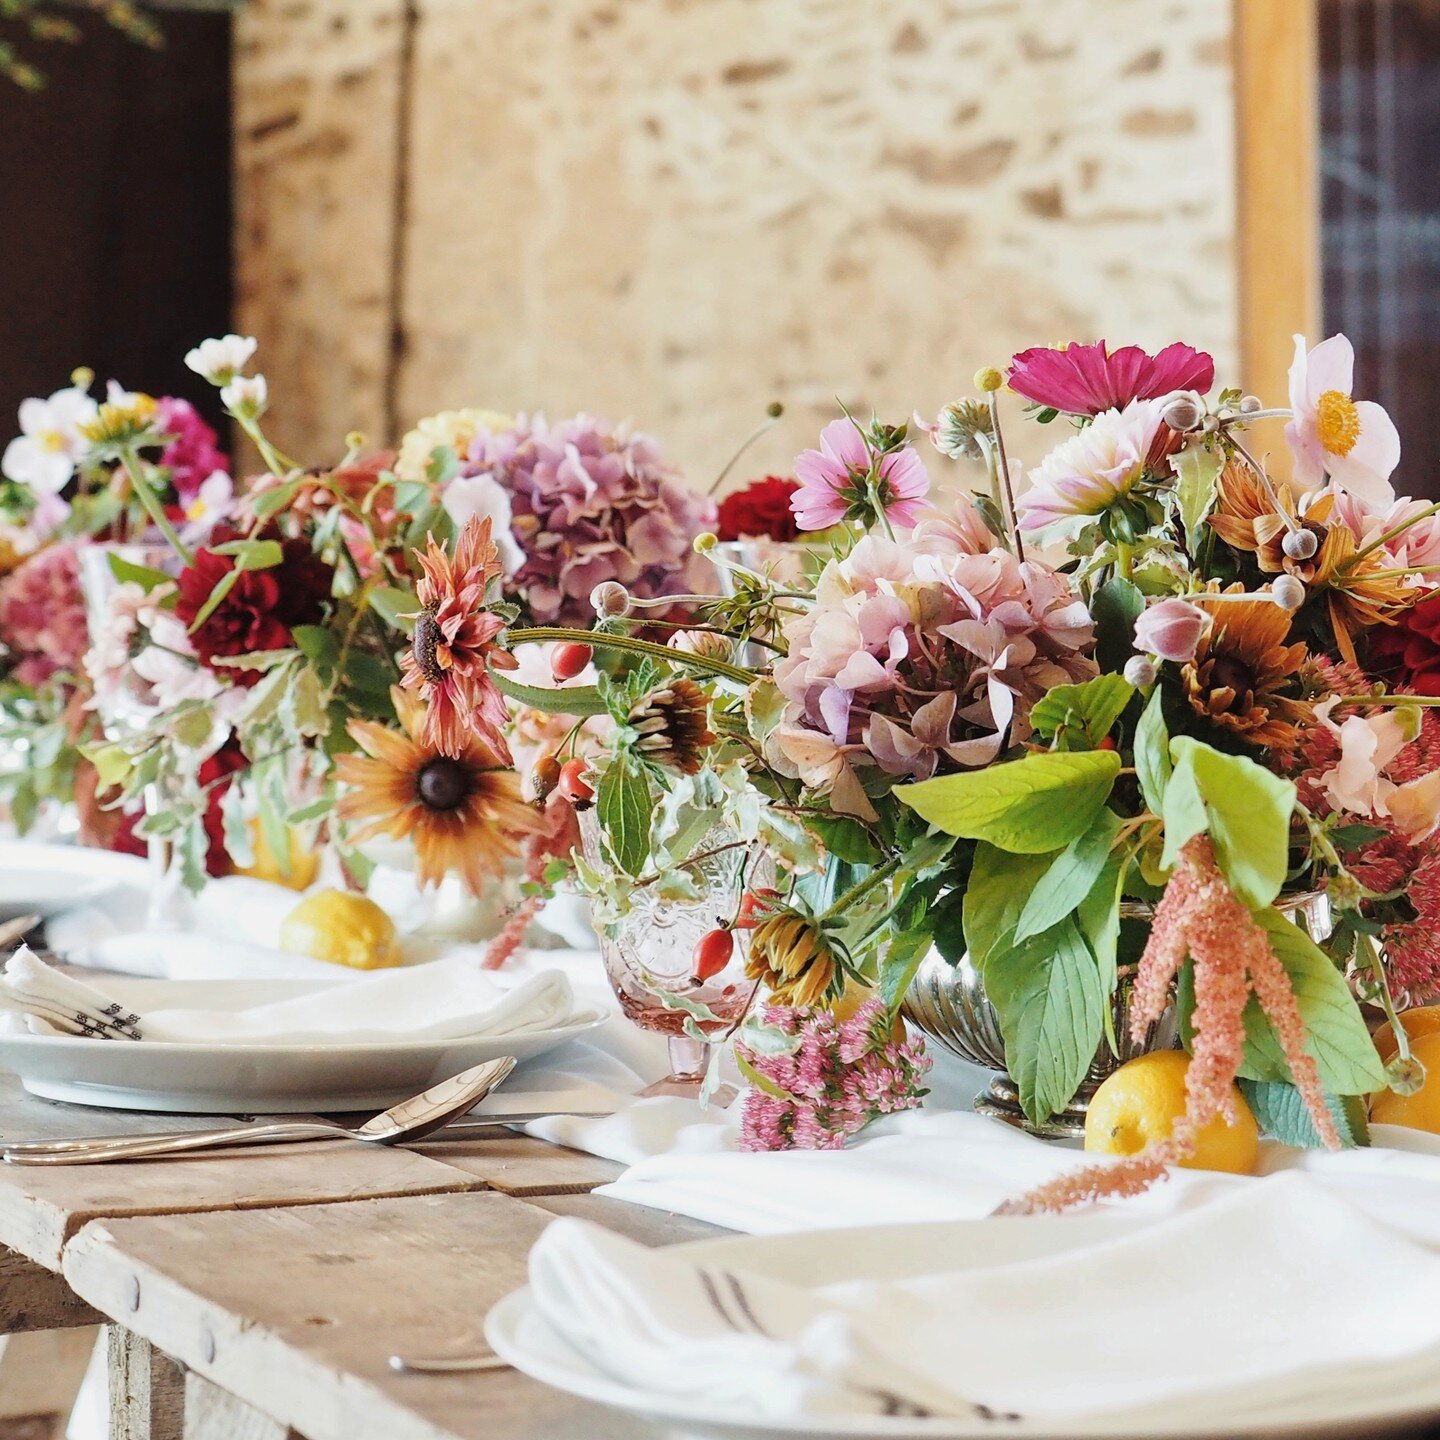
x: 258, y: 612
x: 760, y: 510
x: 1408, y: 652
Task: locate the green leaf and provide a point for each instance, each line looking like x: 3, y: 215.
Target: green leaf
x: 318, y: 645
x: 623, y: 808
x: 267, y: 502
x: 846, y: 839
x: 1098, y: 916
x: 251, y: 554
x: 223, y: 586
x: 1337, y: 1035
x: 947, y: 921
x: 1115, y: 608
x: 1246, y: 808
x: 392, y: 604
x: 128, y: 572
x: 1197, y: 468
x: 1070, y: 878
x: 552, y: 700
x: 369, y: 674
x: 1152, y: 754
x: 1031, y: 806
x: 762, y: 1083
x: 1091, y: 709
x: 1282, y: 1113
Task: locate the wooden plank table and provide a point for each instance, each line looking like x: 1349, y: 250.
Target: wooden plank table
x: 43, y: 1208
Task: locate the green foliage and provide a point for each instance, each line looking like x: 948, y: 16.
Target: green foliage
x: 1070, y: 878
x: 1281, y: 1112
x: 574, y: 700
x: 1152, y: 754
x: 1116, y: 606
x: 128, y: 572
x: 624, y: 808
x: 1031, y: 806
x: 396, y: 607
x: 1079, y: 717
x: 1197, y: 468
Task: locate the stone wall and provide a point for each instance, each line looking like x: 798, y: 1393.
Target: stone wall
x: 679, y: 210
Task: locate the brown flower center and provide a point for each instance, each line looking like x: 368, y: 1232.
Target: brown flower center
x: 1228, y: 673
x: 425, y: 644
x: 442, y: 784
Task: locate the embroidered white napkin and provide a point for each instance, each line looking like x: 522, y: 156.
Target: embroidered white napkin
x: 1268, y: 1292
x: 445, y: 1000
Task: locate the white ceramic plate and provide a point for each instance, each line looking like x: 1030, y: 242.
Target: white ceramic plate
x: 248, y: 1079
x: 44, y: 880
x: 519, y: 1334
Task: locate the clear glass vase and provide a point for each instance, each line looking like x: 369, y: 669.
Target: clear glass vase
x: 649, y: 954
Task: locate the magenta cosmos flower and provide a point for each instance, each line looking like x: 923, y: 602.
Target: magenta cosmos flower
x: 834, y: 480
x: 1086, y: 379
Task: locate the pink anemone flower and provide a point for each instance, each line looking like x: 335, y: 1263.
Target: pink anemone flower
x: 1088, y: 379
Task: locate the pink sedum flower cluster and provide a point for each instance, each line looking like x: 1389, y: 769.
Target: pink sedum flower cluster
x: 841, y: 1076
x: 42, y: 614
x: 921, y: 654
x: 592, y: 502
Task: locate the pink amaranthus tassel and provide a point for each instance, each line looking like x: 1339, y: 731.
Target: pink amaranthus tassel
x: 561, y: 836
x: 1200, y: 916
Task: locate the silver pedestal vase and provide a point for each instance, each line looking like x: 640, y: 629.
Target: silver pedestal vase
x: 948, y: 1003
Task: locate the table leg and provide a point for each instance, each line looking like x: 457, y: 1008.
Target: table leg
x: 214, y: 1414
x: 147, y: 1389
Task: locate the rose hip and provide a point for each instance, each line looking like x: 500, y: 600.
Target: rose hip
x: 754, y: 906
x: 712, y: 953
x: 573, y: 784
x: 569, y: 659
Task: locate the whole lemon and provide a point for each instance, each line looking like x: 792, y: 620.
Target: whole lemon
x: 855, y: 994
x: 1143, y: 1099
x: 1420, y: 1111
x: 342, y: 928
x: 1423, y: 1020
x: 304, y: 861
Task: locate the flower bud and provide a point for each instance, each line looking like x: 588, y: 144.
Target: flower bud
x: 1299, y: 544
x: 1171, y: 629
x: 1288, y: 592
x: 82, y: 378
x: 774, y: 409
x: 1183, y: 412
x: 1140, y: 671
x: 705, y: 543
x: 1405, y: 1077
x: 704, y: 643
x: 610, y: 599
x: 988, y: 379
x: 1250, y: 404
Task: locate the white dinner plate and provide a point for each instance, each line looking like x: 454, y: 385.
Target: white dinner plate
x: 44, y: 880
x: 520, y: 1335
x: 248, y: 1079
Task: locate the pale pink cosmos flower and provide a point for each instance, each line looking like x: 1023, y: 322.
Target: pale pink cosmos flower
x: 1171, y: 629
x: 834, y: 479
x: 1358, y: 780
x: 1088, y: 473
x: 1354, y: 442
x: 1417, y: 547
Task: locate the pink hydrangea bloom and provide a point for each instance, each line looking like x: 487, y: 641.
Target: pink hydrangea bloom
x: 1087, y: 379
x: 42, y: 614
x: 922, y: 653
x: 839, y: 1076
x: 833, y: 479
x: 193, y: 454
x: 592, y: 502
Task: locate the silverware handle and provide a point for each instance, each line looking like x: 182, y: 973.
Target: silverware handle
x: 97, y: 1152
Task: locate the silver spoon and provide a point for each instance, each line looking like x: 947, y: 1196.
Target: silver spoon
x: 447, y: 1365
x: 408, y: 1120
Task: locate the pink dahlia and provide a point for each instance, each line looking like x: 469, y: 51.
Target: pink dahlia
x: 920, y: 655
x: 1086, y: 379
x: 193, y: 454
x: 42, y: 614
x: 848, y: 477
x: 841, y: 1075
x: 592, y: 502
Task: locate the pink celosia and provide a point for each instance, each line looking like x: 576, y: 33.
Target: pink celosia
x: 193, y: 454
x: 42, y: 614
x: 1086, y: 379
x: 837, y: 1078
x: 835, y: 480
x: 592, y: 502
x: 1171, y: 629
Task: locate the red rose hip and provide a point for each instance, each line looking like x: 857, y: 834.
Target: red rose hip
x: 712, y: 953
x: 754, y: 906
x: 573, y: 785
x: 569, y: 659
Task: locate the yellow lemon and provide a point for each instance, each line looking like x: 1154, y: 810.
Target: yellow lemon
x: 1143, y: 1099
x: 854, y: 995
x: 304, y: 861
x: 1424, y: 1020
x: 1420, y: 1111
x: 342, y: 928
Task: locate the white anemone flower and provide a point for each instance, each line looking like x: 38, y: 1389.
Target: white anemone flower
x: 44, y: 454
x: 221, y: 360
x: 483, y: 495
x: 246, y: 396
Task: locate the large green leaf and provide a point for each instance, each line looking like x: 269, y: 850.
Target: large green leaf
x: 1337, y: 1035
x: 1152, y: 754
x: 1070, y: 877
x: 1031, y: 806
x: 1115, y: 608
x: 1098, y: 916
x: 1197, y: 468
x: 1245, y: 808
x: 623, y: 808
x: 1282, y: 1113
x: 1078, y: 717
x: 553, y: 700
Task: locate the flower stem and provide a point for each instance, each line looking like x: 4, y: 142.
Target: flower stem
x: 276, y: 463
x: 130, y: 463
x: 767, y: 424
x: 856, y: 892
x: 1004, y: 469
x: 632, y: 645
x: 1389, y: 535
x: 1291, y: 523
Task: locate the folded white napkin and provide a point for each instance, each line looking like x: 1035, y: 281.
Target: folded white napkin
x: 445, y: 1000
x: 1269, y: 1291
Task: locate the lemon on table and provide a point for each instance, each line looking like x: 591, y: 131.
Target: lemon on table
x: 1420, y: 1111
x: 304, y: 861
x: 1423, y: 1020
x: 342, y: 928
x: 1143, y: 1099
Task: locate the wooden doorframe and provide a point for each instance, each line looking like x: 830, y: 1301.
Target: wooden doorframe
x: 1277, y: 145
